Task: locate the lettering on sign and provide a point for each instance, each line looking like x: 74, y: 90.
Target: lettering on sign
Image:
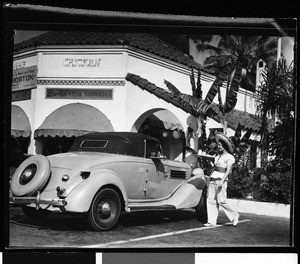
x: 57, y: 93
x: 21, y: 95
x: 25, y: 78
x: 19, y: 65
x: 84, y: 63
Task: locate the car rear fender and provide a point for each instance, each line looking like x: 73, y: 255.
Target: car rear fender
x: 80, y: 198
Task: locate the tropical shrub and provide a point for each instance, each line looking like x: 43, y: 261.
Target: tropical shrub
x: 277, y: 185
x: 277, y: 188
x: 240, y: 182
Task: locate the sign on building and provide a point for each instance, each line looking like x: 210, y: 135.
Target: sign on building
x: 24, y: 78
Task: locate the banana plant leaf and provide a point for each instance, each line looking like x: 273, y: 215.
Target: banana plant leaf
x: 199, y: 86
x: 237, y: 135
x: 188, y: 103
x: 172, y: 88
x: 247, y: 135
x: 193, y: 84
x: 217, y: 84
x: 181, y: 101
x: 231, y: 93
x: 197, y: 104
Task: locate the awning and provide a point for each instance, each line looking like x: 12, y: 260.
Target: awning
x: 20, y: 126
x: 165, y: 119
x: 74, y: 120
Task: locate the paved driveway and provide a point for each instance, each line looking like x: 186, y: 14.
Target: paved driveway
x: 173, y: 229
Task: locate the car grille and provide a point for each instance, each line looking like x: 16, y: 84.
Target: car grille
x: 178, y: 174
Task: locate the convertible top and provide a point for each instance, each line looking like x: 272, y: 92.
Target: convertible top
x: 126, y: 136
x: 126, y: 143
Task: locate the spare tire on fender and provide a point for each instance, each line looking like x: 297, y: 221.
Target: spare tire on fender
x: 31, y: 176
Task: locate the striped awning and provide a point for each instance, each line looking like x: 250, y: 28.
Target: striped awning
x: 20, y: 126
x: 74, y: 120
x: 166, y: 119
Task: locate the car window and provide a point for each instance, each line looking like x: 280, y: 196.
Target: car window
x: 138, y: 148
x: 94, y: 144
x: 124, y: 148
x: 153, y: 148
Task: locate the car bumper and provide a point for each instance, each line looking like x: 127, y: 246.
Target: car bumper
x: 37, y: 201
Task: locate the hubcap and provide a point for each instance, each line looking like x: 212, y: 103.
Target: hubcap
x: 27, y: 175
x: 104, y: 209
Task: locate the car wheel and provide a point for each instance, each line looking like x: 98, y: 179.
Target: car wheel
x: 31, y: 212
x: 31, y: 176
x: 201, y: 209
x: 105, y: 210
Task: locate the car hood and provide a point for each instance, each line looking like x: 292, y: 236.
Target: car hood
x: 72, y: 160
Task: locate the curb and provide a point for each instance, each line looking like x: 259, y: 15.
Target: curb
x: 261, y: 208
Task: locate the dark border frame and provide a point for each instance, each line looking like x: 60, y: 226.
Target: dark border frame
x: 35, y: 17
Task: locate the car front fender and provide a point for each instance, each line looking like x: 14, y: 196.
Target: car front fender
x: 80, y: 198
x: 189, y: 193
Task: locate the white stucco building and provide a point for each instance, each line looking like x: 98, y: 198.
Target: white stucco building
x: 68, y: 83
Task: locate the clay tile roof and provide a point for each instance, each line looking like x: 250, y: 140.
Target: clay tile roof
x: 143, y: 41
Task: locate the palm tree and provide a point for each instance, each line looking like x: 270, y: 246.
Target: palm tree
x: 275, y: 98
x: 239, y: 51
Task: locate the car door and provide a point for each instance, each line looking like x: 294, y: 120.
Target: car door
x: 155, y: 170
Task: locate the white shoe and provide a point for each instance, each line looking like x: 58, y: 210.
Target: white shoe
x: 236, y: 220
x: 209, y: 225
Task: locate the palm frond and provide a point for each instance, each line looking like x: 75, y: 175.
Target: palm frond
x: 202, y: 38
x: 229, y: 44
x: 201, y: 47
x: 220, y: 60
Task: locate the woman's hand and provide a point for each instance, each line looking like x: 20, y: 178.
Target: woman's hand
x: 220, y: 183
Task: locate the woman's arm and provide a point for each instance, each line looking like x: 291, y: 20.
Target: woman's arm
x: 226, y: 174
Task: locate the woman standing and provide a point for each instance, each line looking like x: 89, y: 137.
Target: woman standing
x: 217, y: 189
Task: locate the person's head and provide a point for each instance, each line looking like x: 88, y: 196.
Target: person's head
x: 223, y: 144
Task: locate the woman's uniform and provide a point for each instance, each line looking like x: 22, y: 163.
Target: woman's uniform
x: 217, y: 195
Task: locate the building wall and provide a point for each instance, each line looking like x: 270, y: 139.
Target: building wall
x: 106, y: 68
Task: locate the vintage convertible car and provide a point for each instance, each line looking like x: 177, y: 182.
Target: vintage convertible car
x: 104, y: 174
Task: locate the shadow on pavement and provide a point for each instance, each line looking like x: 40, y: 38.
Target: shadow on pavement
x: 77, y: 222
